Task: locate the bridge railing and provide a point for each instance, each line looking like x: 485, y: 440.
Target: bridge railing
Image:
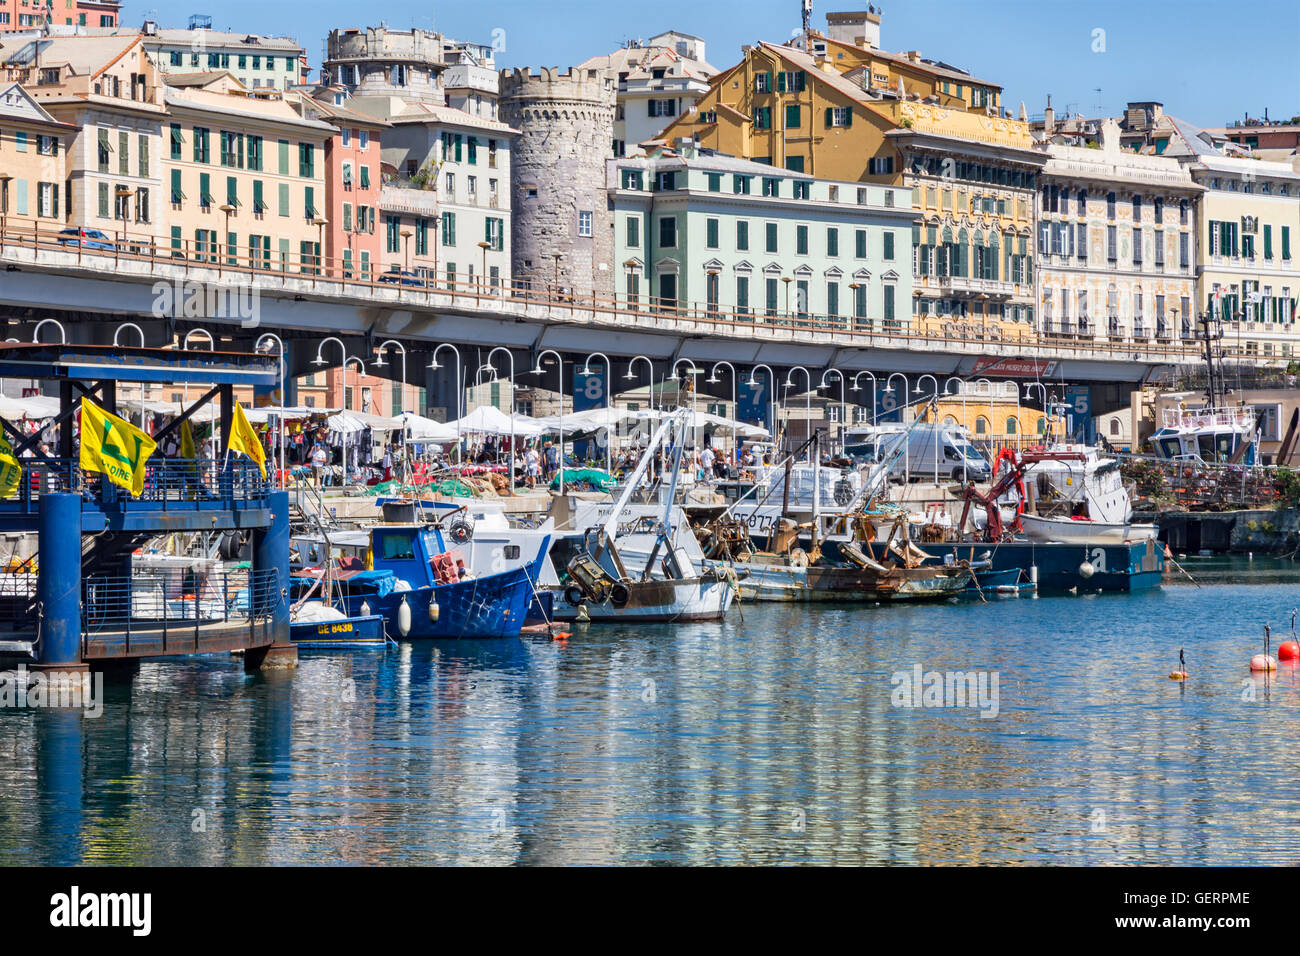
x: 345, y: 277
x: 169, y: 608
x: 172, y: 484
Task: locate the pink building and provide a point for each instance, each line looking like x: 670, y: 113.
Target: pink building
x: 352, y: 184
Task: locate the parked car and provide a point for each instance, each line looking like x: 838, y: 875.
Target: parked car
x: 86, y: 238
x: 401, y: 277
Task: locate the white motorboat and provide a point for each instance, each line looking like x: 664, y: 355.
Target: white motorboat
x: 1083, y: 530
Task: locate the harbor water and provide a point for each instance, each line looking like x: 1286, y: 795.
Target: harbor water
x: 776, y: 739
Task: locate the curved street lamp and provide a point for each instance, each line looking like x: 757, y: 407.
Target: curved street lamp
x: 36, y: 332
x: 771, y: 401
x: 609, y: 384
x: 320, y: 360
x: 695, y: 403
x: 381, y: 363
x: 907, y: 446
x: 460, y: 392
x: 283, y: 363
x: 962, y: 391
x: 511, y: 357
x: 844, y: 407
x: 934, y: 394
x: 789, y: 383
x: 559, y: 367
x: 713, y: 380
x: 874, y: 386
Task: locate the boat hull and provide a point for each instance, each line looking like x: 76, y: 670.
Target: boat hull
x: 352, y: 632
x: 1067, y: 531
x: 693, y: 599
x: 494, y: 605
x: 1135, y: 566
x: 769, y: 582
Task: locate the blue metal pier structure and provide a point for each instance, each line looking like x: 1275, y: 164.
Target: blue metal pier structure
x: 84, y: 604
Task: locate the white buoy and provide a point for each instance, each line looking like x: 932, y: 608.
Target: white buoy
x: 1033, y: 574
x: 1086, y: 570
x: 365, y: 608
x: 404, y: 618
x: 434, y: 611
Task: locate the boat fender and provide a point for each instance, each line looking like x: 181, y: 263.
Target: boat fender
x: 573, y: 594
x: 365, y: 608
x: 404, y: 618
x: 1086, y: 570
x: 798, y: 558
x: 582, y: 617
x: 619, y: 595
x: 434, y: 611
x: 1178, y: 675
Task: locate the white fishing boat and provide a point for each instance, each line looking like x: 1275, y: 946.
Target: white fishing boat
x: 1208, y: 434
x: 1081, y: 500
x: 641, y: 563
x: 1084, y: 530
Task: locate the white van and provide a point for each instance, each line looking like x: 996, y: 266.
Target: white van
x: 941, y: 450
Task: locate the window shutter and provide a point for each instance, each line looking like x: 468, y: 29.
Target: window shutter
x: 848, y: 116
x: 830, y: 112
x: 780, y: 82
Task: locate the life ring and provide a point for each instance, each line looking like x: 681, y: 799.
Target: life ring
x: 619, y: 595
x: 461, y: 531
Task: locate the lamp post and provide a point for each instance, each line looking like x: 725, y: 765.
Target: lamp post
x: 460, y: 391
x: 1042, y: 391
x: 229, y: 210
x: 121, y: 193
x: 651, y: 379
x: 320, y: 360
x: 284, y: 388
x: 5, y: 180
x: 36, y: 332
x: 559, y: 367
x: 713, y: 380
x: 212, y: 347
x: 140, y: 332
x: 609, y: 381
x: 482, y: 279
x: 787, y: 280
x: 989, y: 385
x: 633, y: 302
x: 844, y: 407
x: 907, y: 447
x: 935, y: 395
x: 874, y: 385
x: 406, y: 235
x: 320, y: 222
x: 789, y: 383
x: 695, y: 404
x: 962, y: 390
x: 511, y: 357
x: 381, y: 363
x: 771, y: 402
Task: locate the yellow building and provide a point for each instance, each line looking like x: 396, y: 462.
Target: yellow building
x: 998, y: 414
x: 109, y: 90
x: 33, y: 146
x: 244, y: 174
x: 842, y: 113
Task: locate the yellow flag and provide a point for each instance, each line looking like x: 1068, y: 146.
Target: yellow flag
x: 11, y: 473
x: 114, y: 447
x: 244, y: 439
x: 187, y: 440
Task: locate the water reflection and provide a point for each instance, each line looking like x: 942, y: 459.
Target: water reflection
x: 771, y: 740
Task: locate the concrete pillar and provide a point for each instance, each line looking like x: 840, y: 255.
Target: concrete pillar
x: 58, y: 587
x: 271, y: 553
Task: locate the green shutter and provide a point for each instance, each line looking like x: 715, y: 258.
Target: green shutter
x: 176, y: 186
x: 1268, y: 242
x: 830, y: 111
x: 1286, y: 242
x: 848, y: 116
x: 780, y: 82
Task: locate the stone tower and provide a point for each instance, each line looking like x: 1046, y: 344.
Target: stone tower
x: 566, y: 133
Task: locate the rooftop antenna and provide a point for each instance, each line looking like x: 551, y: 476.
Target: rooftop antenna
x: 807, y: 22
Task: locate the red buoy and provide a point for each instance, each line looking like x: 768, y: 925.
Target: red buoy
x: 1288, y: 651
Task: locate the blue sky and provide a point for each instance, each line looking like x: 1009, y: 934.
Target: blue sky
x: 1208, y: 62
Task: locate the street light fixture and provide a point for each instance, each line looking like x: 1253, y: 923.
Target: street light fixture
x: 482, y: 280
x: 874, y: 386
x: 713, y: 380
x: 844, y: 408
x: 283, y: 362
x: 460, y: 391
x: 488, y: 364
x: 320, y: 360
x: 381, y: 363
x: 559, y: 367
x: 789, y: 383
x: 609, y: 384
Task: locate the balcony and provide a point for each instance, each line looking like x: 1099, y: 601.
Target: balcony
x: 963, y: 285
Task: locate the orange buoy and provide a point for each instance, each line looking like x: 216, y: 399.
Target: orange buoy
x: 1288, y: 651
x: 562, y: 635
x: 1181, y: 672
x: 1263, y: 662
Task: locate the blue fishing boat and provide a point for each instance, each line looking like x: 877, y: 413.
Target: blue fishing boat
x: 343, y: 634
x: 422, y: 588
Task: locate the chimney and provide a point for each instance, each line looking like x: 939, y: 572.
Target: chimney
x: 1049, y: 116
x: 856, y: 28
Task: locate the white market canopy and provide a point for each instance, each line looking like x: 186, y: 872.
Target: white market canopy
x: 710, y: 421
x: 349, y: 422
x: 32, y: 407
x: 418, y: 429
x: 490, y: 420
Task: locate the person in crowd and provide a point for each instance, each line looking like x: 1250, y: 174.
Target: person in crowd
x: 319, y: 457
x: 388, y: 462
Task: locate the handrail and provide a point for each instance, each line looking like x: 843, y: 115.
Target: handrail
x: 202, y: 260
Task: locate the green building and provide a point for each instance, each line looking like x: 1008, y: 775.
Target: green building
x: 706, y: 233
